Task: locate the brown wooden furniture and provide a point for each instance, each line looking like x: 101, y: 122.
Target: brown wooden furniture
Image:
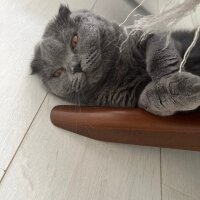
x: 131, y: 126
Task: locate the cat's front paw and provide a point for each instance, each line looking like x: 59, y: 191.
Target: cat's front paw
x: 183, y: 84
x: 177, y: 92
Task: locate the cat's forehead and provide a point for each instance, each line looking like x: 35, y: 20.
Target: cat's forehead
x: 85, y: 16
x: 81, y: 14
x: 75, y: 20
x: 51, y: 47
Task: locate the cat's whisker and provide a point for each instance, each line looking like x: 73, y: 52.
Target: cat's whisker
x: 107, y: 45
x: 76, y: 109
x: 111, y: 42
x: 79, y: 102
x: 84, y: 97
x: 81, y: 110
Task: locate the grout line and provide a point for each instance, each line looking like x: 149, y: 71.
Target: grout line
x: 5, y: 170
x: 2, y: 172
x: 161, y: 189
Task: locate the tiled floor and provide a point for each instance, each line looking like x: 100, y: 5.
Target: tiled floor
x: 41, y: 162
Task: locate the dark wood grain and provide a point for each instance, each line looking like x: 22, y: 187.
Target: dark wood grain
x: 130, y: 126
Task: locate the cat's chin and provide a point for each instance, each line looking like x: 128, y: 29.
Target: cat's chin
x: 78, y: 81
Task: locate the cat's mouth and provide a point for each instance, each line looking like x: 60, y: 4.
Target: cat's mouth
x: 78, y: 81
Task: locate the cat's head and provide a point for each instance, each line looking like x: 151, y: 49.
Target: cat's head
x: 76, y: 52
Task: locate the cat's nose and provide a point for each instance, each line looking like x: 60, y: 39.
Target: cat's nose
x: 76, y: 67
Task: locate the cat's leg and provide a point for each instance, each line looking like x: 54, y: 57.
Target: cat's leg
x: 170, y: 91
x: 162, y: 57
x: 170, y: 94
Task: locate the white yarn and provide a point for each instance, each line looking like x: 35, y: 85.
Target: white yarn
x: 164, y: 22
x: 187, y: 53
x: 132, y: 12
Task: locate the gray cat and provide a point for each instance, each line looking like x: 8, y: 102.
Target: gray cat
x: 79, y: 59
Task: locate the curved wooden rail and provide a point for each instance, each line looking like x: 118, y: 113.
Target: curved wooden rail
x: 130, y: 126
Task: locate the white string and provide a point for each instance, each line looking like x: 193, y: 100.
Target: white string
x: 196, y: 36
x: 164, y: 21
x: 167, y: 6
x: 187, y: 53
x: 132, y: 12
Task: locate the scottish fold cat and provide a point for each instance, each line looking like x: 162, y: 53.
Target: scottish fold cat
x: 79, y: 59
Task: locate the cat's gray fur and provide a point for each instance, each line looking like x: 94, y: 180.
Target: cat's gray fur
x: 144, y: 73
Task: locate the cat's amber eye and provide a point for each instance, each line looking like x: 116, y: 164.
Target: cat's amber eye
x: 74, y: 41
x: 58, y: 72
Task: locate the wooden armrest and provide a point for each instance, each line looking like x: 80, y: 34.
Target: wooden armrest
x: 130, y: 126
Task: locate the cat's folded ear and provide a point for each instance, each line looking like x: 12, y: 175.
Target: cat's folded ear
x: 36, y: 64
x: 64, y: 11
x: 63, y: 15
